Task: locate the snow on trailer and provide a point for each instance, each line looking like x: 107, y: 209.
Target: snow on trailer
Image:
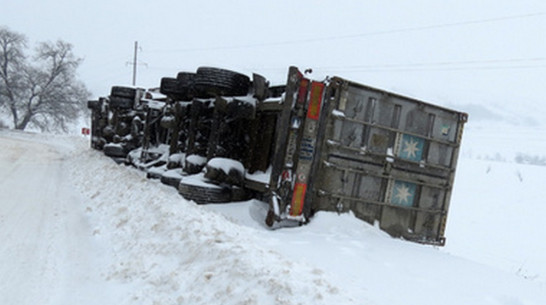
x: 304, y: 147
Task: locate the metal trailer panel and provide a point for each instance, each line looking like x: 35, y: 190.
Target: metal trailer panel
x: 284, y: 136
x: 388, y: 158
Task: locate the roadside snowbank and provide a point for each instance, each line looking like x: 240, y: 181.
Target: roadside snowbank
x: 178, y: 253
x: 114, y: 237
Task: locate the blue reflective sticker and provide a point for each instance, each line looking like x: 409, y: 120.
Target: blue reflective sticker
x: 403, y: 193
x: 411, y: 148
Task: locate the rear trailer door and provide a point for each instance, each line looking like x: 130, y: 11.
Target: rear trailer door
x: 388, y: 158
x: 306, y: 151
x: 294, y: 153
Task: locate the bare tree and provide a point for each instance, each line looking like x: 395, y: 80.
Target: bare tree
x: 11, y: 64
x: 44, y: 93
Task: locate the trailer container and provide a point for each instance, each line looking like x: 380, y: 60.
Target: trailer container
x: 343, y: 146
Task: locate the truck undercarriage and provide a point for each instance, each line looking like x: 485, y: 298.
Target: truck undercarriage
x: 305, y: 146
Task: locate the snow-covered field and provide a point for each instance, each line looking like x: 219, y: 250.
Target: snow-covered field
x: 78, y: 229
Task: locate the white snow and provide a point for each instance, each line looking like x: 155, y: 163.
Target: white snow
x: 176, y: 158
x: 274, y: 100
x: 226, y: 165
x: 173, y: 173
x: 196, y: 159
x: 117, y: 145
x: 48, y: 253
x: 152, y: 95
x: 77, y: 228
x: 247, y: 99
x: 154, y: 104
x: 259, y: 176
x: 199, y: 180
x: 390, y: 155
x: 338, y: 113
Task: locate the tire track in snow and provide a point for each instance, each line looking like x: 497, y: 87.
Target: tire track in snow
x: 27, y: 191
x: 47, y: 255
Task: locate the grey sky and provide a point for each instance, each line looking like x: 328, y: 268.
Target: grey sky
x: 448, y: 52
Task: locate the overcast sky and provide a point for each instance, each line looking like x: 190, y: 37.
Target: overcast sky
x: 447, y: 52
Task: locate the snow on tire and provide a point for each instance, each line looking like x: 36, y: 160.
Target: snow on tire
x: 223, y: 170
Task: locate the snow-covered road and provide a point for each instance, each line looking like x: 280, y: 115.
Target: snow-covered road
x: 76, y: 228
x: 47, y: 253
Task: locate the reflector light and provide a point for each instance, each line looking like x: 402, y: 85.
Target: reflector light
x: 297, y: 199
x: 315, y: 100
x: 302, y: 93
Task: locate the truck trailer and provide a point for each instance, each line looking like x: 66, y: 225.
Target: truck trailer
x: 343, y: 146
x: 303, y: 146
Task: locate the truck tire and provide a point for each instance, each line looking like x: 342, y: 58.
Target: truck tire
x: 168, y: 86
x: 170, y: 180
x: 93, y: 104
x: 185, y: 85
x: 118, y: 102
x: 211, y: 193
x: 185, y: 79
x: 126, y: 92
x: 98, y: 143
x: 192, y: 169
x: 204, y: 193
x: 239, y: 194
x: 115, y: 151
x: 233, y: 177
x: 211, y: 82
x: 179, y: 88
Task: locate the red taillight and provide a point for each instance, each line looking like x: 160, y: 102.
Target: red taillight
x: 315, y: 100
x: 302, y: 92
x: 298, y: 198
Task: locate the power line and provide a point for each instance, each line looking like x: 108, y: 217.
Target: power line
x: 437, y: 69
x: 446, y: 63
x: 342, y: 37
x: 465, y: 65
x: 483, y: 64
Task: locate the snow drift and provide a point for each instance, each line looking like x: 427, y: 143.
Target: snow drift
x: 114, y: 237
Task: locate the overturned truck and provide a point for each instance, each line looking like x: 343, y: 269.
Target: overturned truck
x: 302, y: 147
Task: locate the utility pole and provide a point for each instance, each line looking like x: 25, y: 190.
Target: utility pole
x: 135, y: 63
